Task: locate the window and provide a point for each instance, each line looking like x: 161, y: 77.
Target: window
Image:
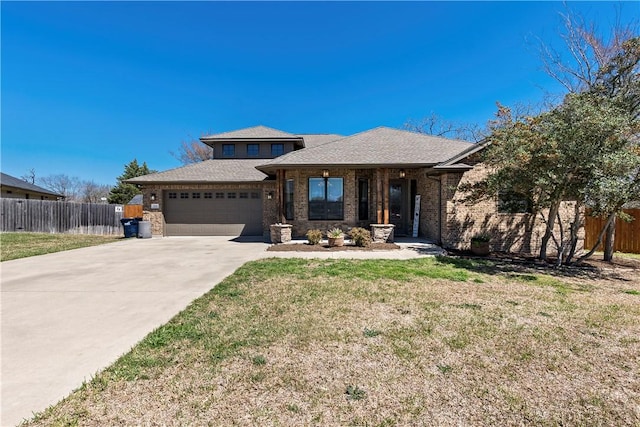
x: 253, y: 149
x: 255, y: 195
x: 288, y: 199
x: 277, y: 150
x: 195, y: 195
x: 228, y: 150
x: 173, y: 195
x: 244, y: 195
x: 231, y: 195
x: 184, y: 195
x: 219, y: 195
x: 326, y: 199
x: 363, y: 199
x: 208, y: 195
x: 513, y: 202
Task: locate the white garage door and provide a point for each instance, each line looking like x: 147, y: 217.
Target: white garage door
x: 229, y: 212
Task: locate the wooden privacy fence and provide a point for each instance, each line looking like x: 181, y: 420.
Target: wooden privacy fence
x: 47, y: 216
x: 627, y: 237
x: 132, y: 211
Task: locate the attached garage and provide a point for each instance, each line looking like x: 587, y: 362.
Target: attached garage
x: 219, y: 212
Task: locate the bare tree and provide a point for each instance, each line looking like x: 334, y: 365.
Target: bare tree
x: 30, y: 176
x: 91, y: 192
x: 589, y: 51
x: 438, y: 126
x: 192, y: 151
x: 63, y: 184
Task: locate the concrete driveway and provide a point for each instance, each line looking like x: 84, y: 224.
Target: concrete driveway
x: 66, y: 316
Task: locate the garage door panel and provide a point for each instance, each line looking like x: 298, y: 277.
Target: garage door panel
x: 222, y: 216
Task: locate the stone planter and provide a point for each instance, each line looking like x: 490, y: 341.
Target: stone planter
x: 382, y: 233
x: 480, y: 248
x: 280, y: 233
x: 336, y: 241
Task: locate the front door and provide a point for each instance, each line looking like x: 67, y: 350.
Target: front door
x: 398, y: 208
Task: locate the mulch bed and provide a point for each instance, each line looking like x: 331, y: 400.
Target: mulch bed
x: 305, y: 247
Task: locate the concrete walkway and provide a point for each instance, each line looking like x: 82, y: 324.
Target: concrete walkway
x: 66, y: 316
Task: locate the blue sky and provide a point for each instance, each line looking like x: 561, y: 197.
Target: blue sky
x: 89, y: 86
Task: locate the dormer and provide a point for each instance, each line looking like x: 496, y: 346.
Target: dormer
x: 259, y: 142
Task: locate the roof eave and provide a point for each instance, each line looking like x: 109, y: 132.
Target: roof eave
x: 466, y: 153
x: 188, y: 182
x: 211, y: 139
x: 273, y: 167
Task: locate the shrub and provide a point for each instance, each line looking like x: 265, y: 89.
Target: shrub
x: 360, y: 236
x: 335, y: 233
x: 314, y: 236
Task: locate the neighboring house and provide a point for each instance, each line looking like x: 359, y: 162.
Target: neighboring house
x: 15, y: 188
x: 260, y: 176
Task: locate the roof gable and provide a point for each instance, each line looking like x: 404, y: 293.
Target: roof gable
x: 375, y: 147
x: 255, y: 132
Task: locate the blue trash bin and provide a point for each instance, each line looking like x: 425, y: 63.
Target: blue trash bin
x: 130, y: 227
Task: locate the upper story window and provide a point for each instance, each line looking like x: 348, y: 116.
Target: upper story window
x: 253, y: 150
x: 228, y: 150
x: 277, y: 150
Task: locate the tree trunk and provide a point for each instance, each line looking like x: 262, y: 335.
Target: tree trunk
x: 600, y: 236
x: 551, y: 220
x: 608, y: 243
x: 573, y: 230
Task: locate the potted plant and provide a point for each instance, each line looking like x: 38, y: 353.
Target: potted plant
x: 480, y: 244
x: 335, y: 236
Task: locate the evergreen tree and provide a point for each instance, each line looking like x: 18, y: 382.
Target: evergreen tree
x: 123, y: 192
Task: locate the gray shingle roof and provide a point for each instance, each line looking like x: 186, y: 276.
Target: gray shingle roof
x: 376, y: 147
x: 217, y: 170
x: 313, y: 139
x: 251, y: 133
x: 11, y: 181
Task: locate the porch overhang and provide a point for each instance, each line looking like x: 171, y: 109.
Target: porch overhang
x: 437, y: 170
x: 272, y: 168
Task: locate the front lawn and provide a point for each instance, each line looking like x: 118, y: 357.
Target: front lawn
x: 382, y: 343
x: 22, y: 245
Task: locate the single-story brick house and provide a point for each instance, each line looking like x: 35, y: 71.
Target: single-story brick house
x: 16, y: 188
x: 260, y: 176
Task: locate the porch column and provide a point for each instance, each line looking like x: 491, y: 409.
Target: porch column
x: 386, y: 196
x: 378, y: 196
x: 279, y: 194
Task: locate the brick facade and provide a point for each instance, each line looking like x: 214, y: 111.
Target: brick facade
x: 519, y: 232
x: 444, y: 215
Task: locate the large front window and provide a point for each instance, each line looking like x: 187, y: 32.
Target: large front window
x: 326, y: 198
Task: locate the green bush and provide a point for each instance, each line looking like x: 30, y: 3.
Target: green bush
x: 360, y: 236
x: 314, y: 236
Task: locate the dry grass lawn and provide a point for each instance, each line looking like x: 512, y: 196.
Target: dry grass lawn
x: 428, y: 342
x: 23, y: 244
